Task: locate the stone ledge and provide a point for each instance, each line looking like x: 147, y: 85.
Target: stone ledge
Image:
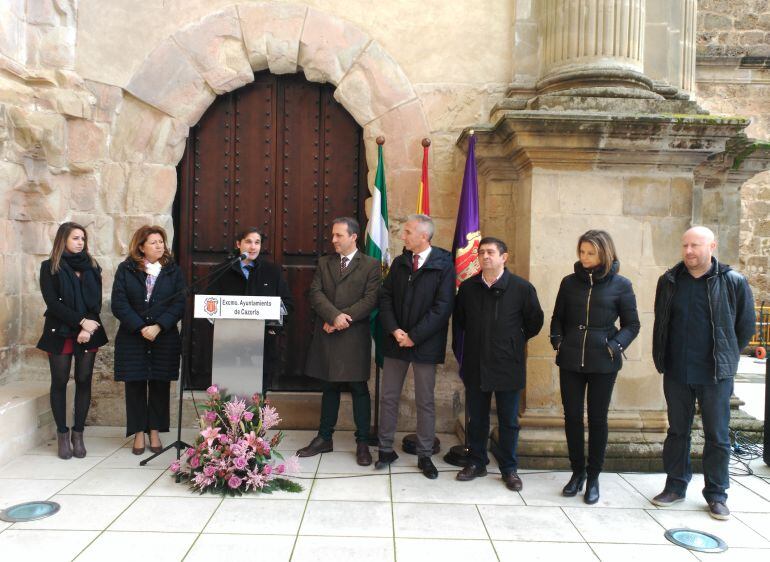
x: 25, y: 417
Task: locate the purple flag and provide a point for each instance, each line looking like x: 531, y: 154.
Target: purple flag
x: 465, y: 248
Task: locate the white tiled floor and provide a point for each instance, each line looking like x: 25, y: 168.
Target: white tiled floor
x: 113, y: 509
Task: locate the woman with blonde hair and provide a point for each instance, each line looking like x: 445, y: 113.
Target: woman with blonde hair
x: 588, y: 348
x: 148, y: 299
x: 71, y: 283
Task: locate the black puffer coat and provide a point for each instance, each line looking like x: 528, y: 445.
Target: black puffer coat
x: 496, y: 323
x: 583, y: 330
x: 419, y: 303
x: 135, y: 357
x: 61, y: 319
x: 732, y: 316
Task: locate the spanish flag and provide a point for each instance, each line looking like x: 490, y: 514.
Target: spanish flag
x: 423, y: 198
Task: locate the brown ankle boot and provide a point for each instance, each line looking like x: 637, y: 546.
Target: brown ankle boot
x: 78, y: 447
x: 63, y: 442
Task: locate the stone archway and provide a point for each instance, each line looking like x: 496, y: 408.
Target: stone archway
x: 219, y: 53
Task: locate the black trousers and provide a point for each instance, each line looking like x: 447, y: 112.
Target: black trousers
x: 479, y: 404
x: 60, y: 375
x: 573, y: 395
x: 147, y: 406
x: 330, y: 407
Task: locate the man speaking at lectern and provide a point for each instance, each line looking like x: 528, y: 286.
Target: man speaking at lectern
x: 343, y: 294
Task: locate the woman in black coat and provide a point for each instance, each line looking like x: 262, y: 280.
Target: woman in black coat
x: 254, y: 276
x: 148, y: 299
x: 588, y: 351
x: 71, y: 283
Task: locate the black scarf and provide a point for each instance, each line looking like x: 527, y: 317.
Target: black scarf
x: 84, y: 294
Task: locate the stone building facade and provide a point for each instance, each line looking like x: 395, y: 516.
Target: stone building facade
x: 585, y: 113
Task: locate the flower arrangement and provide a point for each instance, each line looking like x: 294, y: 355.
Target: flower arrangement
x: 232, y: 454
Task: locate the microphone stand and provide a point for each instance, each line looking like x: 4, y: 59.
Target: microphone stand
x: 186, y: 340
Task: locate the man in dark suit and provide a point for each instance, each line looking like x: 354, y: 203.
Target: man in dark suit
x: 343, y: 294
x: 497, y: 313
x: 415, y: 305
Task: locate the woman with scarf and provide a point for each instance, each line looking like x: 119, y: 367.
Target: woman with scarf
x: 588, y: 351
x: 71, y: 283
x: 148, y: 299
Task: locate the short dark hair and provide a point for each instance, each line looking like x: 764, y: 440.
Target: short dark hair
x: 240, y: 235
x: 501, y: 246
x: 351, y: 223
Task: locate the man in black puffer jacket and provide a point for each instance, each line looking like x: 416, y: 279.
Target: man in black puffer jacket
x: 704, y: 316
x: 416, y: 301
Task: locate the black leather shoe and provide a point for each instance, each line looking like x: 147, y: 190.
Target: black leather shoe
x: 317, y: 446
x: 592, y: 491
x: 574, y: 485
x: 385, y: 459
x: 363, y: 456
x: 513, y: 482
x: 471, y: 471
x: 428, y: 468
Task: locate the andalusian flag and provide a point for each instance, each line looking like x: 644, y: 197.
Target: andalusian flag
x: 377, y: 243
x: 423, y: 198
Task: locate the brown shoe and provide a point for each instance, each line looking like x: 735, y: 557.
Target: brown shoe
x: 63, y: 444
x: 363, y: 456
x: 469, y: 472
x: 138, y: 450
x: 513, y: 482
x: 719, y: 510
x: 78, y: 447
x: 667, y: 499
x: 317, y: 446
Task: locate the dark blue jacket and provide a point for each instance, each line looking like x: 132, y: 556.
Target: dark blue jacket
x: 135, y: 357
x: 583, y: 330
x: 420, y: 303
x: 732, y: 317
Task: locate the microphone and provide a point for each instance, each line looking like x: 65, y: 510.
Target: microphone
x: 243, y: 256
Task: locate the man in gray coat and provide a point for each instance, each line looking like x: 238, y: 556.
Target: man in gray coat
x: 343, y: 294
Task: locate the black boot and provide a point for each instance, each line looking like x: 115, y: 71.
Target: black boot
x: 63, y: 442
x: 574, y: 485
x: 592, y: 490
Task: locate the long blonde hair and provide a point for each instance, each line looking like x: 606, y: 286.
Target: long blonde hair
x: 60, y: 244
x: 605, y: 247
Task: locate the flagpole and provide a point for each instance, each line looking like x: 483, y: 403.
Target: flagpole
x: 374, y: 438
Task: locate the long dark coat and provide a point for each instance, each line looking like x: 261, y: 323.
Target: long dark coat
x: 420, y: 303
x: 346, y: 355
x: 62, y: 321
x: 583, y: 327
x: 135, y: 357
x: 496, y: 323
x: 266, y: 280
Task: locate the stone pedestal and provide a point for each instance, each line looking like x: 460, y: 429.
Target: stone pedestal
x: 569, y: 171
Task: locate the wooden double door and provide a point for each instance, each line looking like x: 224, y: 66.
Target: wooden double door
x: 282, y: 155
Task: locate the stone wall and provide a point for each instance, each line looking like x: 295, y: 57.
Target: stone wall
x: 729, y: 83
x: 96, y: 100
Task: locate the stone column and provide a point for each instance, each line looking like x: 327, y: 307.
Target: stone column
x: 593, y: 48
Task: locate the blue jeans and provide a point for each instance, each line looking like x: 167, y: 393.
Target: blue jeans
x: 714, y: 401
x: 479, y: 403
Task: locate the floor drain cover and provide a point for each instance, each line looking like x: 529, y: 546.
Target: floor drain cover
x: 696, y: 540
x: 29, y: 511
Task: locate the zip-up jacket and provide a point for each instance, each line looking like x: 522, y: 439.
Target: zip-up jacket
x: 420, y: 303
x: 583, y: 330
x: 731, y: 310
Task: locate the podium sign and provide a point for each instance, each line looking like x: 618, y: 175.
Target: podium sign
x: 239, y: 339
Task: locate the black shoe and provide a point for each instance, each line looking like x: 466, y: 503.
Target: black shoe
x: 592, y: 491
x: 513, y: 482
x: 385, y: 459
x: 574, y: 485
x: 428, y: 468
x: 317, y: 446
x: 471, y: 471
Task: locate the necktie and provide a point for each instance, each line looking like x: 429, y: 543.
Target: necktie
x: 415, y: 262
x: 343, y: 264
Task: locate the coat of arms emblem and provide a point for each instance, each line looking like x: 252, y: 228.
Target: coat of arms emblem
x: 211, y: 306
